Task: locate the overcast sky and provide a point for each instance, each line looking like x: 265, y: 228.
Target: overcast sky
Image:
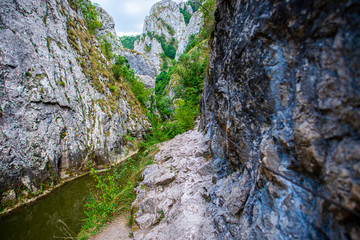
x: 128, y: 15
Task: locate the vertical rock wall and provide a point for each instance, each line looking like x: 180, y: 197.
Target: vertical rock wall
x: 284, y: 85
x: 166, y: 20
x: 56, y: 107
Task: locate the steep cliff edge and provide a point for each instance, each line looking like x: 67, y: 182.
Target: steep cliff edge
x: 60, y: 105
x: 165, y: 28
x: 144, y: 69
x: 283, y: 85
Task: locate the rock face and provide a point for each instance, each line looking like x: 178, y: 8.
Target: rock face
x: 108, y: 27
x: 196, y: 22
x: 172, y: 199
x: 141, y: 64
x: 283, y: 85
x: 165, y: 19
x: 57, y: 111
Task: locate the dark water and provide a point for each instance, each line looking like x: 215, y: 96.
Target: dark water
x: 40, y: 220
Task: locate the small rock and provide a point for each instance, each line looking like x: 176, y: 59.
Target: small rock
x: 8, y: 196
x: 146, y: 220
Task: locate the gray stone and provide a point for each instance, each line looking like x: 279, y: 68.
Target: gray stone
x: 283, y: 86
x: 183, y: 201
x: 54, y: 117
x: 163, y: 15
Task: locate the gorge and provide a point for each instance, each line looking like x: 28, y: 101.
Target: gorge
x: 274, y: 86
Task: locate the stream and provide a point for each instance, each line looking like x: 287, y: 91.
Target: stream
x: 40, y: 219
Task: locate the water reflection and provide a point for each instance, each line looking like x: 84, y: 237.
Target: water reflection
x: 40, y: 220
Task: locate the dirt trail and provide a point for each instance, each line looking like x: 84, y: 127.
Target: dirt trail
x: 117, y: 229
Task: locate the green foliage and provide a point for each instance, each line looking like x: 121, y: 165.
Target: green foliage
x: 164, y: 107
x: 170, y: 30
x: 90, y: 15
x: 161, y: 217
x: 186, y: 15
x: 195, y: 6
x: 63, y: 134
x: 147, y: 48
x: 128, y: 41
x: 121, y: 69
x: 192, y: 71
x: 193, y: 42
x: 106, y: 48
x: 162, y: 81
x: 169, y: 48
x: 209, y: 21
x: 186, y: 113
x: 113, y: 193
x: 62, y: 83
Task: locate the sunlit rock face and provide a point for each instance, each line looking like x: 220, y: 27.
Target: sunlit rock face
x: 165, y: 19
x: 172, y: 199
x: 141, y: 64
x: 283, y: 84
x: 196, y: 22
x: 56, y: 108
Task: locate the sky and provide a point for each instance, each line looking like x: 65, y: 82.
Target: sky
x: 129, y: 15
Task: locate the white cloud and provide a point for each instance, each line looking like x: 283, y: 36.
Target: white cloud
x: 135, y: 7
x: 120, y: 34
x: 128, y: 15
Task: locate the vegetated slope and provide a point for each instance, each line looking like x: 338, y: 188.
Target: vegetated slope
x: 165, y: 34
x: 143, y: 68
x: 283, y: 89
x: 60, y: 104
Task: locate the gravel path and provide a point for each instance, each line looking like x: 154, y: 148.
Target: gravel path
x: 117, y: 229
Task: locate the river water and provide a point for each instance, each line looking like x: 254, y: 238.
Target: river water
x: 40, y: 219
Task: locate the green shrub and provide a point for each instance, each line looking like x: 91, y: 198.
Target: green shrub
x: 106, y: 48
x: 128, y: 41
x: 186, y: 15
x: 90, y: 15
x: 113, y: 193
x: 147, y: 48
x: 121, y: 69
x: 170, y: 30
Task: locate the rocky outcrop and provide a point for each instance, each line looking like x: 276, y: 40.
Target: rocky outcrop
x: 283, y: 89
x: 107, y: 29
x: 196, y: 22
x: 165, y: 20
x: 172, y: 199
x: 59, y: 106
x: 142, y: 66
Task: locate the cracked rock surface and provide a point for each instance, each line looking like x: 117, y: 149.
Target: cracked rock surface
x: 54, y: 117
x: 172, y: 198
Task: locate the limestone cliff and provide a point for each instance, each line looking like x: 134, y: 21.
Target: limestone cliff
x: 165, y: 24
x: 283, y: 89
x: 141, y: 64
x: 60, y: 106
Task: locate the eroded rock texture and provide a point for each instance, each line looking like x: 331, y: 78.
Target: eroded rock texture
x: 165, y: 20
x: 56, y: 108
x: 143, y: 68
x: 172, y: 199
x: 284, y: 85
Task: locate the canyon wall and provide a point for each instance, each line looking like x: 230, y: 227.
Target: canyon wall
x: 60, y: 106
x: 283, y: 88
x: 167, y: 22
